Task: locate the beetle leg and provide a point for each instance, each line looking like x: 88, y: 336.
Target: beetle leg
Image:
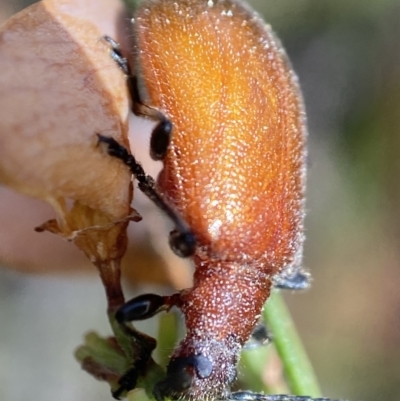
x: 129, y: 379
x: 182, y: 240
x: 162, y: 132
x: 127, y: 382
x: 249, y: 396
x: 145, y: 306
x: 300, y: 280
x: 145, y: 345
x: 260, y: 336
x: 117, y: 55
x: 161, y: 135
x: 140, y: 308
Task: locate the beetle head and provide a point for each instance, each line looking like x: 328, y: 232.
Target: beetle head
x: 200, y: 369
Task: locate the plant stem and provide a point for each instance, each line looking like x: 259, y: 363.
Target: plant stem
x: 297, y: 367
x: 131, y: 4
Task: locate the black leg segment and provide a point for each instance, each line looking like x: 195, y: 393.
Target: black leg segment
x: 185, y: 243
x: 141, y: 308
x: 249, y: 396
x: 161, y: 135
x: 301, y: 280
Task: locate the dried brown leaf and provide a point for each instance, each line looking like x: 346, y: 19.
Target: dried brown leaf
x: 59, y: 88
x: 50, y: 109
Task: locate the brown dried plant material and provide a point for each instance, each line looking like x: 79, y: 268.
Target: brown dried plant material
x: 24, y: 250
x: 59, y: 88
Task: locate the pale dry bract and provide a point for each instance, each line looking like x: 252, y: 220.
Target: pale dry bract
x: 59, y: 88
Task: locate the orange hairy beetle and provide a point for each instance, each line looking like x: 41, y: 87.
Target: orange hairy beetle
x: 231, y: 135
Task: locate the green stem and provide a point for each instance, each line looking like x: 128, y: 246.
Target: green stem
x: 297, y: 367
x: 131, y: 4
x: 167, y: 336
x: 138, y: 394
x: 251, y: 367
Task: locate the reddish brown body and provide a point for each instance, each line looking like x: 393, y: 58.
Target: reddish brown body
x: 235, y: 168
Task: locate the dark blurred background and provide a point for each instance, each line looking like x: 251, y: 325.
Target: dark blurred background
x: 347, y: 56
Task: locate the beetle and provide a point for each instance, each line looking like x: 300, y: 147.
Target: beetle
x: 231, y: 134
